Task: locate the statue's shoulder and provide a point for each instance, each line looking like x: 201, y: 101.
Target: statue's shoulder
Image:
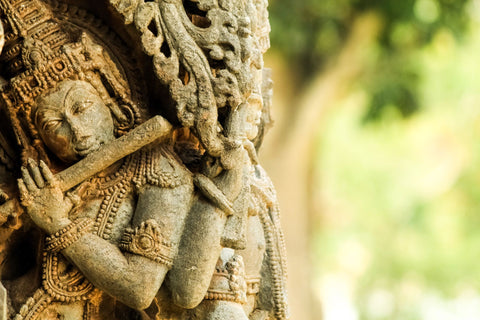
x: 160, y: 166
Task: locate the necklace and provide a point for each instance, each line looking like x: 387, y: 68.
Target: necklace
x: 113, y: 188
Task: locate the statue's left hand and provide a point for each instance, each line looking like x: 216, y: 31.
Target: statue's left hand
x: 42, y: 197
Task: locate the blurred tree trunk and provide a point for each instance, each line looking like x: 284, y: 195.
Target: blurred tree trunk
x: 288, y: 151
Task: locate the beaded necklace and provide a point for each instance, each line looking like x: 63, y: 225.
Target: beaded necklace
x: 113, y: 188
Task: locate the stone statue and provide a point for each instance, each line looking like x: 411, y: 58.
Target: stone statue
x: 130, y: 187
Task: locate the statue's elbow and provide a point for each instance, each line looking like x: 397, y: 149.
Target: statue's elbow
x: 139, y: 301
x: 187, y: 300
x: 138, y: 297
x: 143, y: 286
x: 188, y: 286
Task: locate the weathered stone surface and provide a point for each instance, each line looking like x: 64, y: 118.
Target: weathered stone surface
x: 129, y: 182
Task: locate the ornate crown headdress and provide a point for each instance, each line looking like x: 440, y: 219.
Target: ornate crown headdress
x: 39, y: 53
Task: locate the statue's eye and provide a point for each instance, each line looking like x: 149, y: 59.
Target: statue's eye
x: 82, y: 106
x: 52, y: 125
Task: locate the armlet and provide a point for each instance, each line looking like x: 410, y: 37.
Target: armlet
x: 146, y: 240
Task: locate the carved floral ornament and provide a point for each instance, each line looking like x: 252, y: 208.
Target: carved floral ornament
x: 133, y: 139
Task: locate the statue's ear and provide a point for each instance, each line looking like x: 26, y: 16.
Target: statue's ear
x: 124, y: 118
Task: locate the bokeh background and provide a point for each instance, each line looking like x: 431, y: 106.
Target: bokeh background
x: 375, y: 156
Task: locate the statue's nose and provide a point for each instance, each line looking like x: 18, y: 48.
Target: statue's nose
x: 79, y: 135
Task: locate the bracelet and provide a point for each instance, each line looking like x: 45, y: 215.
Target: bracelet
x: 68, y: 235
x: 228, y: 281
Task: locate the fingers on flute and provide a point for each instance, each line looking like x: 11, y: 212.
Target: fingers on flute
x: 30, y: 184
x: 35, y: 173
x: 47, y: 174
x: 25, y: 196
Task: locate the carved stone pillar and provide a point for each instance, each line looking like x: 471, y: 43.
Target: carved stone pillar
x: 129, y: 181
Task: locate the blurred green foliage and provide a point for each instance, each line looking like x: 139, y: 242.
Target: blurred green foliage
x: 311, y: 33
x: 398, y: 202
x: 405, y: 213
x: 395, y: 204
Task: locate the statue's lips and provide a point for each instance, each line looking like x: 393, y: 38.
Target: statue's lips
x: 86, y: 149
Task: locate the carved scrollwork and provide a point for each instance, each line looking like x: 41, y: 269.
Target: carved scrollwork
x: 206, y: 52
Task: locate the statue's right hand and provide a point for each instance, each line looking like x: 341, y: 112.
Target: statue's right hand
x: 42, y: 197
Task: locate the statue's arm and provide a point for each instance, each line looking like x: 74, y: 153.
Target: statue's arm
x: 132, y: 278
x: 200, y: 245
x: 199, y: 251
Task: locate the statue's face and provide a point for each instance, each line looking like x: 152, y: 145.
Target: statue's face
x: 253, y: 116
x: 73, y: 120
